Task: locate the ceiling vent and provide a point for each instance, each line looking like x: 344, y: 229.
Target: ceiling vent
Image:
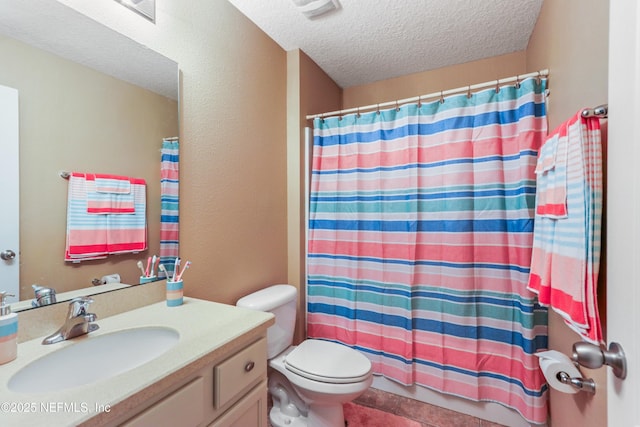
x: 314, y: 8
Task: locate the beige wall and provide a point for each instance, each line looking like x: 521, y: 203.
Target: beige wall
x: 435, y: 80
x: 309, y: 90
x: 76, y: 119
x: 234, y: 180
x: 571, y: 39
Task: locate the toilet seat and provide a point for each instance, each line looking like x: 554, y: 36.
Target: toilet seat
x: 328, y: 362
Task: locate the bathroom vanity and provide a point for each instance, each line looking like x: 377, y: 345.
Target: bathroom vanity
x: 213, y: 375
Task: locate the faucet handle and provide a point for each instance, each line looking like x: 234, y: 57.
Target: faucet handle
x: 79, y: 306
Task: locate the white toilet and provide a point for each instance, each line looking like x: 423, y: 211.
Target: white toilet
x: 310, y: 382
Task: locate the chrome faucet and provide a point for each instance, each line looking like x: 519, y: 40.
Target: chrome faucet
x: 44, y: 296
x: 78, y: 322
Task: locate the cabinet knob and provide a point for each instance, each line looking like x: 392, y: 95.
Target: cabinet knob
x: 249, y: 366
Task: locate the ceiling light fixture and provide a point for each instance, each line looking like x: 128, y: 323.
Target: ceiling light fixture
x: 314, y: 8
x: 146, y: 8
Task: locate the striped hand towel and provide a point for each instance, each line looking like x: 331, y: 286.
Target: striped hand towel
x: 566, y: 248
x: 551, y: 181
x: 109, y: 194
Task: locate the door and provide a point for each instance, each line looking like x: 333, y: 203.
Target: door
x: 9, y: 187
x: 623, y: 208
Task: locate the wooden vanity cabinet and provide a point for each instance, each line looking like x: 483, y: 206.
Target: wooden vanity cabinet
x: 231, y: 392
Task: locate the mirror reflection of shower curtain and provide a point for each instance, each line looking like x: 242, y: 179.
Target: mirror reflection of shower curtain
x: 421, y: 228
x: 169, y: 199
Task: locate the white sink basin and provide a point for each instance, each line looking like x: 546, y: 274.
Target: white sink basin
x: 93, y: 359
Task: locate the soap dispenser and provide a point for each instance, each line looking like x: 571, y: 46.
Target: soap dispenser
x: 8, y: 330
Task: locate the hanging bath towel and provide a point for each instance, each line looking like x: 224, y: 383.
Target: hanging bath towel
x: 86, y: 234
x: 566, y: 245
x: 94, y: 236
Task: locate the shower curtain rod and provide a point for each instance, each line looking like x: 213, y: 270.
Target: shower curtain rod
x: 440, y: 94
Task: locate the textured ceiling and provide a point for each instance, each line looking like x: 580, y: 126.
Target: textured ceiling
x: 370, y: 40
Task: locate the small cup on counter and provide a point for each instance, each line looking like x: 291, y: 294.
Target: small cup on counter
x: 175, y: 293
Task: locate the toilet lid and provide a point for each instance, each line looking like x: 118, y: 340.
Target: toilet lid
x: 328, y: 362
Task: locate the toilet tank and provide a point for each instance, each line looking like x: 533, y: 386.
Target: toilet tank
x: 281, y: 301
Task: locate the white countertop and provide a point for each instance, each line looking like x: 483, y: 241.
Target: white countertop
x: 207, y: 330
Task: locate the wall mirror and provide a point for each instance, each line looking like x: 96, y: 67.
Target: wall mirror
x: 90, y: 100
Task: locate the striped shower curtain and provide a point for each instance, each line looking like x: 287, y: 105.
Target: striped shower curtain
x: 420, y: 236
x: 169, y: 199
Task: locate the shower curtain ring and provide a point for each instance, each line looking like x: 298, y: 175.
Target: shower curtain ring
x: 539, y: 78
x: 517, y: 81
x: 419, y: 101
x: 378, y: 109
x: 441, y: 97
x: 397, y: 106
x: 469, y: 92
x: 498, y: 86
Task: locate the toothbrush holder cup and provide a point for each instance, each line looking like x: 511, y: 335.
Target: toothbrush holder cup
x: 175, y: 293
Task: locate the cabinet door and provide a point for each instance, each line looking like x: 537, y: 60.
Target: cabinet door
x: 182, y: 407
x: 250, y: 411
x: 239, y: 372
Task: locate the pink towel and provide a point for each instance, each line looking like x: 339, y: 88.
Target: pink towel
x: 566, y: 245
x: 109, y: 194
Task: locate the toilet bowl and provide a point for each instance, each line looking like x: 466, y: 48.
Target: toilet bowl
x: 324, y: 375
x: 308, y: 383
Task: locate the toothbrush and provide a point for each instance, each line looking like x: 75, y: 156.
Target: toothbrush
x: 176, y: 268
x: 148, y: 266
x: 162, y: 268
x: 141, y: 267
x: 153, y: 266
x: 186, y: 265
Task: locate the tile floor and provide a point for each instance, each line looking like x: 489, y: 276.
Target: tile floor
x: 409, y: 412
x: 377, y: 408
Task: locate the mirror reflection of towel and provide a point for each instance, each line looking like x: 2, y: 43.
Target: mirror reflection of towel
x: 109, y: 194
x: 94, y: 236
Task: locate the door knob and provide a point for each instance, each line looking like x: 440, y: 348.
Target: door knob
x: 7, y: 255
